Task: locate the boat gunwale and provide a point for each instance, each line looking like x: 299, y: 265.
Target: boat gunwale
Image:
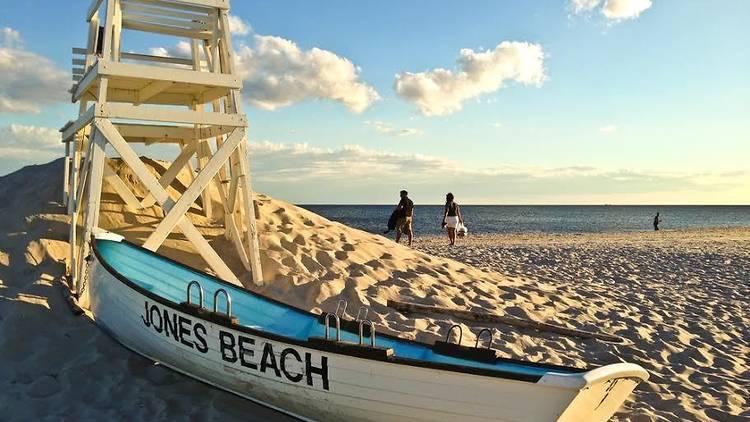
x: 180, y: 307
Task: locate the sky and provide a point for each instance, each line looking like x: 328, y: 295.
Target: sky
x: 500, y: 102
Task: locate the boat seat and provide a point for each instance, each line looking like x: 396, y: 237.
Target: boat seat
x: 482, y: 354
x: 351, y: 349
x: 208, y: 315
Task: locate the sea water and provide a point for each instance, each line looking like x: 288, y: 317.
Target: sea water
x: 544, y: 219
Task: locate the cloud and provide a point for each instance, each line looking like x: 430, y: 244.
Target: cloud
x: 28, y: 81
x: 608, y: 128
x: 20, y: 141
x: 388, y: 129
x: 277, y: 73
x: 625, y: 9
x: 584, y: 6
x: 440, y: 92
x: 237, y: 26
x: 613, y: 10
x: 10, y: 38
x: 182, y: 49
x: 306, y: 174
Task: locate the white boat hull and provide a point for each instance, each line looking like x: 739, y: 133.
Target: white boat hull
x: 321, y: 385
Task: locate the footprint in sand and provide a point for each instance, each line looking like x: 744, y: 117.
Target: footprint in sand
x: 341, y: 255
x: 386, y: 256
x: 299, y: 239
x: 348, y: 247
x: 311, y: 264
x: 324, y: 258
x: 289, y: 246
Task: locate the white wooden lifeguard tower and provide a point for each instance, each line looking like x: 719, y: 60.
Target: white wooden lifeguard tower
x: 127, y: 98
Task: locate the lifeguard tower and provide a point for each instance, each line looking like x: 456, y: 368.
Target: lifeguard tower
x: 128, y: 98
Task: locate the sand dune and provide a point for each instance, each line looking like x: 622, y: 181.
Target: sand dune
x: 62, y: 366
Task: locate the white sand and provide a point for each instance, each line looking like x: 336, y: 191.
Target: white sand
x: 685, y: 317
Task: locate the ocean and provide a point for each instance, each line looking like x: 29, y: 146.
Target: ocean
x: 544, y: 218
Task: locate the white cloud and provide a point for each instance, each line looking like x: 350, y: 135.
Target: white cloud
x: 277, y: 73
x: 182, y: 49
x: 28, y: 81
x: 614, y: 10
x: 20, y: 141
x: 625, y: 9
x: 307, y: 174
x: 608, y: 128
x: 388, y: 129
x: 10, y: 38
x: 584, y: 6
x: 440, y: 91
x: 237, y: 26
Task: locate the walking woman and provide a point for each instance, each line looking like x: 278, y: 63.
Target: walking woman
x: 452, y: 217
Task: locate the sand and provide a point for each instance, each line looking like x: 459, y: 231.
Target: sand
x: 679, y: 302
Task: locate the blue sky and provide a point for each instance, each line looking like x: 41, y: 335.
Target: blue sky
x: 648, y: 106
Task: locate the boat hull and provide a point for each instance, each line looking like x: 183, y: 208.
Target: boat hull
x: 320, y: 385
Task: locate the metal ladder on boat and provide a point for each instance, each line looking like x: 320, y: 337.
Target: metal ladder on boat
x: 483, y: 354
x: 227, y: 315
x: 361, y: 321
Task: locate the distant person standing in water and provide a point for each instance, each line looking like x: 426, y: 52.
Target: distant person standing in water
x: 405, y: 209
x: 452, y: 217
x: 657, y: 220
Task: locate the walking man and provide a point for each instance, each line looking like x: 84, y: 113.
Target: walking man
x: 405, y: 208
x: 657, y: 220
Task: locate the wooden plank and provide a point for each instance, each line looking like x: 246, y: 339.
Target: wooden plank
x: 175, y: 13
x: 144, y: 175
x: 83, y: 120
x: 158, y: 59
x: 127, y: 111
x: 155, y: 132
x: 121, y: 188
x: 185, y: 76
x: 194, y: 5
x: 159, y: 20
x: 91, y: 220
x: 66, y: 174
x: 405, y: 307
x: 152, y: 89
x: 93, y: 8
x: 174, y: 169
x: 164, y: 29
x: 108, y: 30
x: 178, y: 209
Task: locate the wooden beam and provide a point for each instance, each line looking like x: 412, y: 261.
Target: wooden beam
x: 174, y: 169
x: 405, y: 307
x: 93, y: 8
x: 157, y: 59
x: 178, y: 209
x: 137, y: 25
x: 83, y: 121
x: 194, y: 5
x: 186, y: 227
x: 127, y: 111
x: 152, y: 89
x: 91, y: 220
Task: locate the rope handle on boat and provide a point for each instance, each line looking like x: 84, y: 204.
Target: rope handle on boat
x: 460, y: 334
x: 200, y: 293
x: 343, y: 310
x: 362, y: 332
x: 479, y: 336
x: 228, y: 300
x: 364, y: 316
x: 328, y: 326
